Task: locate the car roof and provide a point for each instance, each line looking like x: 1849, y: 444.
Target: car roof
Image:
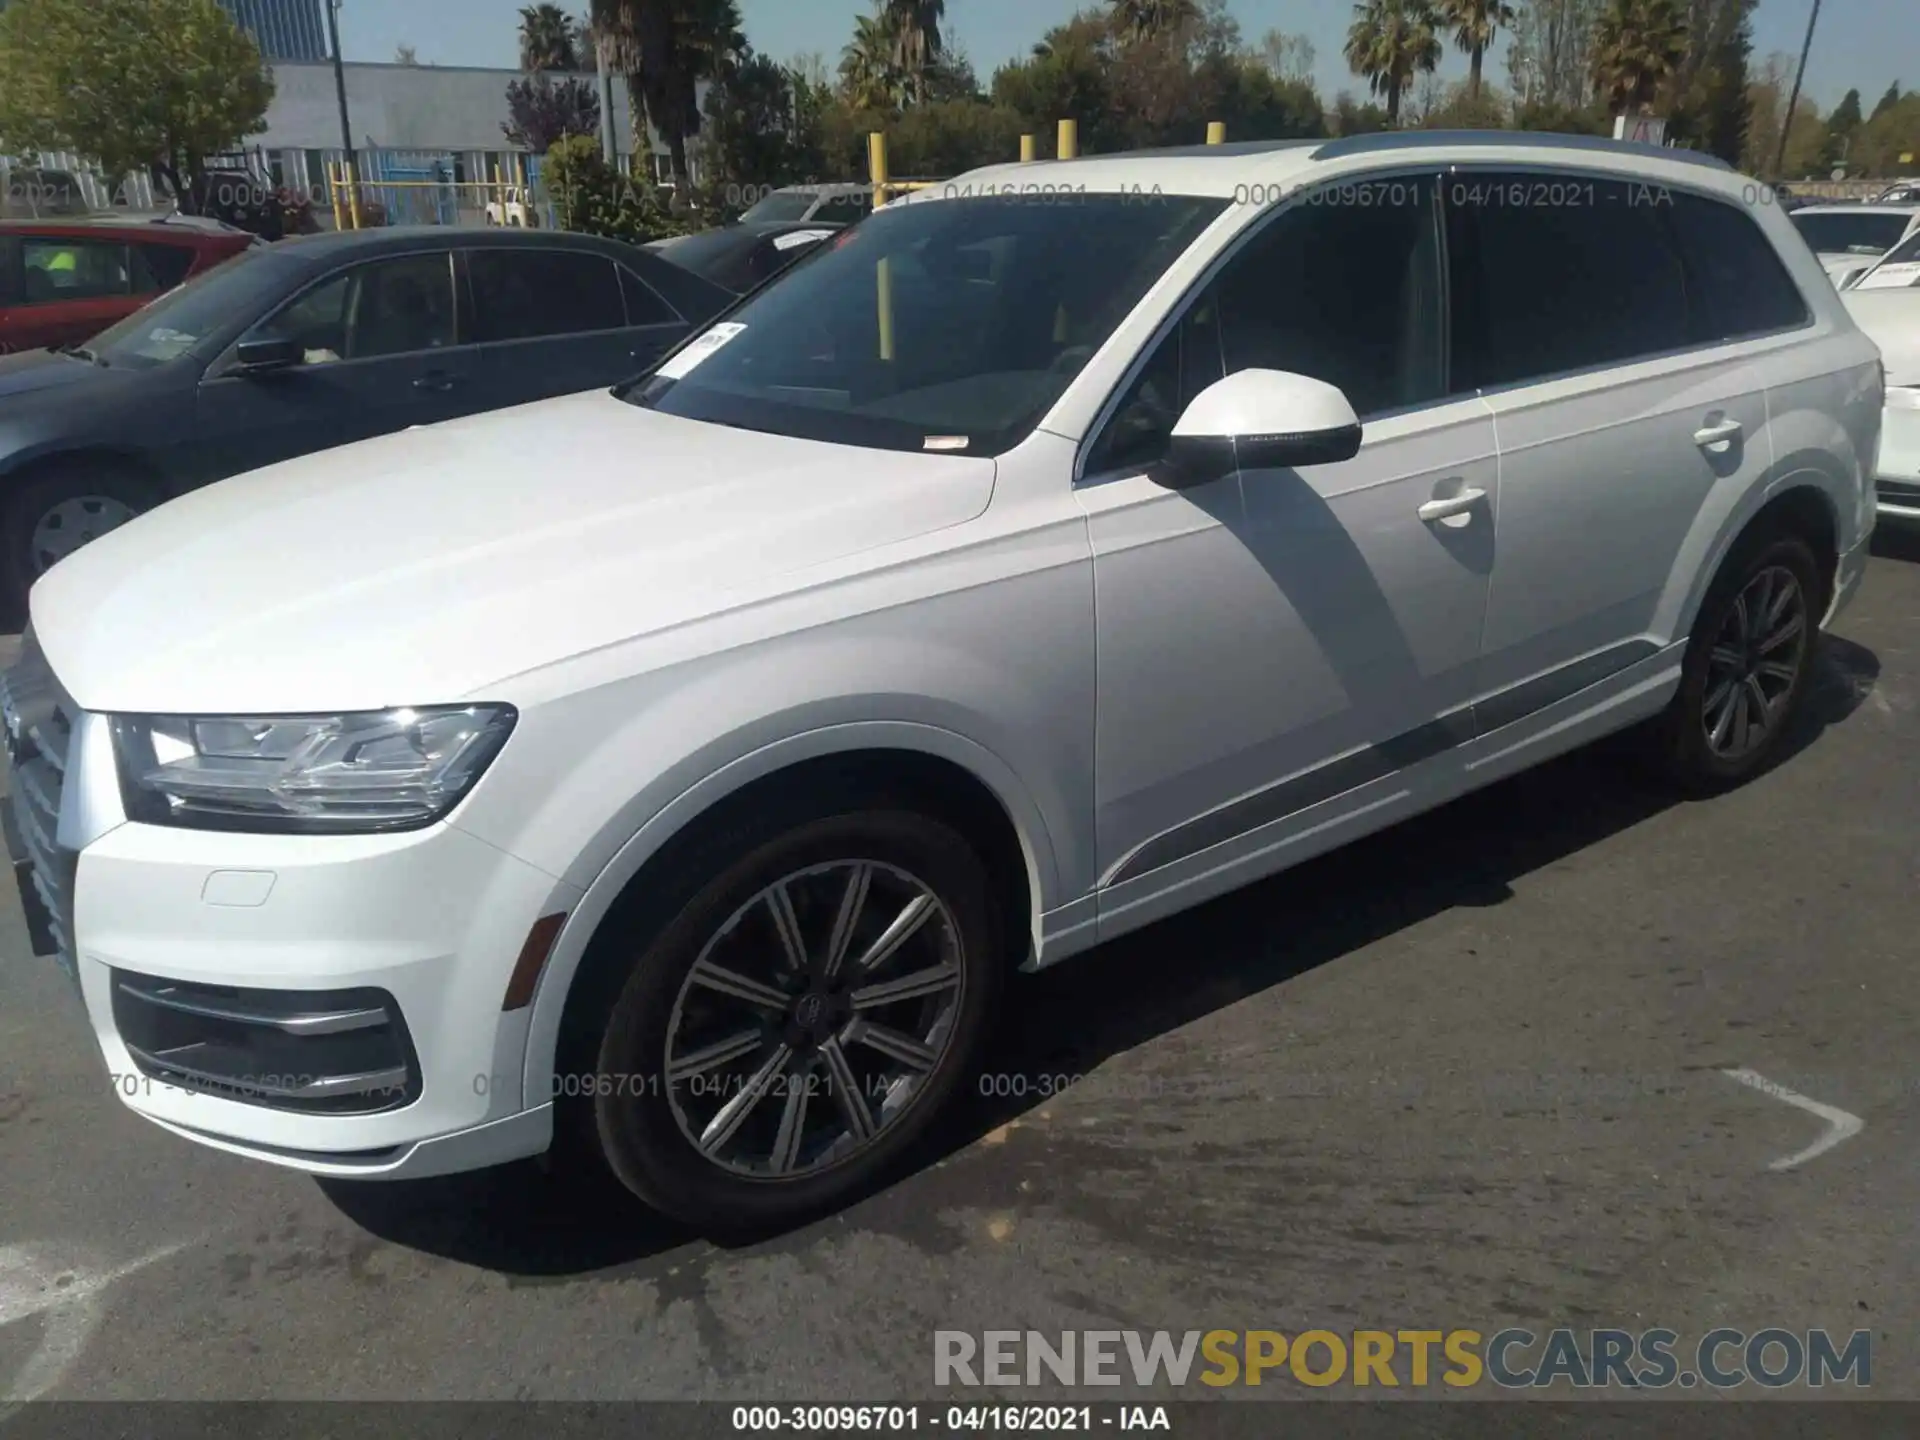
x: 154, y: 228
x: 1224, y: 170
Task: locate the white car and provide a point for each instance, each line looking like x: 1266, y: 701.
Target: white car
x: 1898, y: 269
x: 675, y: 775
x: 1890, y: 316
x: 1849, y: 238
x: 510, y: 210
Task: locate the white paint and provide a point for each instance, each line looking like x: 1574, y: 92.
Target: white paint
x: 56, y: 1282
x: 1840, y: 1125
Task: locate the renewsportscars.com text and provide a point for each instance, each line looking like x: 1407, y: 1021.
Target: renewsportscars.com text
x: 1511, y: 1359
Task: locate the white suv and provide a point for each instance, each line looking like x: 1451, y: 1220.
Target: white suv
x: 678, y: 772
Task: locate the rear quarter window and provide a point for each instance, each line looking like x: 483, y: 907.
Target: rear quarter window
x: 1744, y: 288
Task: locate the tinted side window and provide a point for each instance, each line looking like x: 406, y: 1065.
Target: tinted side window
x: 388, y: 307
x: 9, y: 270
x: 59, y: 269
x: 1557, y: 273
x: 526, y: 294
x: 643, y: 306
x: 1743, y: 287
x: 1345, y: 287
x: 160, y: 267
x: 1186, y: 362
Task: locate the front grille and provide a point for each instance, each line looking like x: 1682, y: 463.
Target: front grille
x: 319, y: 1052
x: 39, y: 719
x: 1898, y: 492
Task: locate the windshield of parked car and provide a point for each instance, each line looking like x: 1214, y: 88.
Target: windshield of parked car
x: 1838, y: 232
x: 782, y: 205
x: 946, y: 325
x: 179, y: 320
x: 717, y: 255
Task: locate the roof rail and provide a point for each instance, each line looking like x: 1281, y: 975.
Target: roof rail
x: 1385, y: 140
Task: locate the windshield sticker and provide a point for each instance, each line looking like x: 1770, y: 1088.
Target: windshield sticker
x: 798, y: 238
x: 946, y: 442
x: 696, y: 354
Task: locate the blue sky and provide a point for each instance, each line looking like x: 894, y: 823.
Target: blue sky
x: 1864, y: 43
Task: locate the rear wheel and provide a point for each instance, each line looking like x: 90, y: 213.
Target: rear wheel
x: 800, y: 1022
x: 1747, y: 668
x: 62, y: 508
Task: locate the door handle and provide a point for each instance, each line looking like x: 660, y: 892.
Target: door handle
x: 1451, y: 505
x: 437, y: 380
x: 1715, y: 436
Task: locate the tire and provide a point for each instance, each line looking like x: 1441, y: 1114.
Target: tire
x: 656, y: 1098
x: 94, y: 495
x: 1710, y: 701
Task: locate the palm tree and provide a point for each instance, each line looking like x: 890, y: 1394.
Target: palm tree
x: 1148, y: 19
x: 869, y: 76
x: 1389, y: 42
x: 1637, y: 47
x: 915, y: 28
x: 1475, y: 23
x: 665, y: 48
x: 549, y: 39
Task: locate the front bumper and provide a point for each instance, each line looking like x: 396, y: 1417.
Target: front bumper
x: 373, y: 966
x: 1897, y: 472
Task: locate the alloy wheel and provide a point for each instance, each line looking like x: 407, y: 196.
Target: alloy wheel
x: 1755, y: 663
x: 71, y: 523
x: 813, y: 1018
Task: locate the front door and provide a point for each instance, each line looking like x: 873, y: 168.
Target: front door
x: 382, y: 354
x: 1271, y: 641
x: 1598, y: 316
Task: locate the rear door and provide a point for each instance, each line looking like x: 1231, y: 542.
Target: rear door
x: 554, y: 321
x: 382, y: 354
x: 1585, y: 314
x: 70, y: 289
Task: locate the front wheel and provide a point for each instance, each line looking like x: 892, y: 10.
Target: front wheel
x: 57, y: 511
x: 801, y: 1021
x: 1747, y: 668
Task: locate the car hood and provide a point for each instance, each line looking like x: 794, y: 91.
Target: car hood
x: 424, y: 567
x: 1891, y: 319
x: 36, y: 371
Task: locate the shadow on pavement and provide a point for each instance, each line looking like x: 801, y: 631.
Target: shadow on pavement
x: 523, y: 1221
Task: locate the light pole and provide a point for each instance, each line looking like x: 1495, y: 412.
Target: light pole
x: 340, y: 79
x: 1786, y: 125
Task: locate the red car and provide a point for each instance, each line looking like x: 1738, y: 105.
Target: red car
x: 62, y: 282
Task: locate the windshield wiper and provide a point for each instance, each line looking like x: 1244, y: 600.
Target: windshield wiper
x: 81, y: 352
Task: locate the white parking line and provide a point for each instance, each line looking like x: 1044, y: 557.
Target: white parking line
x: 1840, y: 1125
x: 49, y: 1281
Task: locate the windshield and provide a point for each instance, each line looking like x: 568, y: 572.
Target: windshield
x: 783, y: 205
x: 949, y: 325
x: 182, y: 318
x: 1840, y: 233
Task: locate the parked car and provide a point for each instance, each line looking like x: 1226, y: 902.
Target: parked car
x: 738, y: 257
x: 63, y: 281
x: 1007, y: 577
x: 1848, y: 238
x: 310, y: 343
x: 511, y: 208
x: 1898, y: 269
x: 1891, y: 318
x: 1901, y: 192
x: 830, y: 204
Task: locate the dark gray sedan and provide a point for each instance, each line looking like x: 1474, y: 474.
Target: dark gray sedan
x: 309, y: 344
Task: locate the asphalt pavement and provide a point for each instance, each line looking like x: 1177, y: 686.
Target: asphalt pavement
x: 1471, y: 1073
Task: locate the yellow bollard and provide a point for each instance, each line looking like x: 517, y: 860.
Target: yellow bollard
x: 1027, y: 149
x: 1069, y: 144
x: 1216, y: 132
x: 353, y: 191
x: 333, y: 189
x: 883, y: 270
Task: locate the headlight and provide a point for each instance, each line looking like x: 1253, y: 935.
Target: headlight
x: 305, y: 774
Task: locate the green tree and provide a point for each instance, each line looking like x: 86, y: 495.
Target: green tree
x: 1459, y: 108
x: 550, y: 39
x: 1390, y: 43
x: 1149, y: 19
x: 1887, y: 101
x: 1475, y: 25
x: 870, y: 74
x: 1638, y: 45
x: 914, y: 26
x: 1562, y: 119
x: 1710, y: 106
x: 154, y: 86
x: 665, y: 48
x: 1890, y: 132
x: 1767, y: 105
x: 1349, y: 116
x: 1549, y: 59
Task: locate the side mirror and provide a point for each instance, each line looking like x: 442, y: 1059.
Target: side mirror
x: 1262, y: 420
x: 262, y: 357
